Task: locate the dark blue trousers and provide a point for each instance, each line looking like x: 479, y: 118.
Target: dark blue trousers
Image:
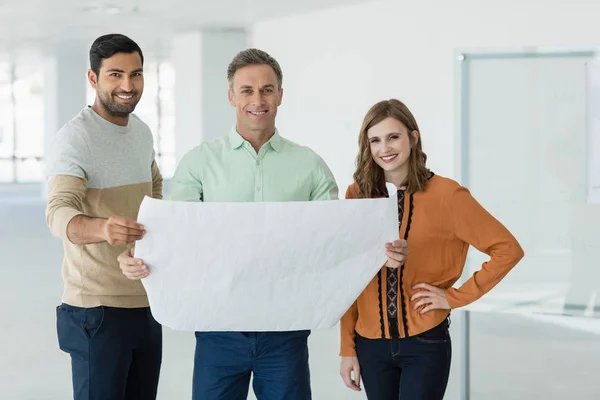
x: 115, y: 353
x: 413, y: 368
x: 278, y: 361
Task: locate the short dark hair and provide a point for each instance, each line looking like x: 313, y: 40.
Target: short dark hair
x: 253, y: 57
x: 108, y: 45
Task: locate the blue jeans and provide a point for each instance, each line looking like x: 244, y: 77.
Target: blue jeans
x: 224, y: 362
x: 413, y: 368
x: 116, y: 353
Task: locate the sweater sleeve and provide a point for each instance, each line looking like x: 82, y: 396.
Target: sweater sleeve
x: 68, y: 163
x: 65, y: 201
x: 157, y: 181
x: 477, y: 227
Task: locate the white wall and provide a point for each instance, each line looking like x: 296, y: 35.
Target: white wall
x: 202, y: 111
x: 338, y: 62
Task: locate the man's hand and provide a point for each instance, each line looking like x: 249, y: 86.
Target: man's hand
x: 433, y: 297
x: 396, y: 252
x: 132, y: 268
x: 349, y: 365
x: 119, y: 231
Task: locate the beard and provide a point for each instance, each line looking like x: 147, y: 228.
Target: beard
x: 115, y: 108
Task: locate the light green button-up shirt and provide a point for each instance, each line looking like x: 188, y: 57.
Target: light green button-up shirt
x: 228, y: 169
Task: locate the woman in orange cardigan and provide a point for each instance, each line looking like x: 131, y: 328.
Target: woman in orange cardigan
x: 395, y: 336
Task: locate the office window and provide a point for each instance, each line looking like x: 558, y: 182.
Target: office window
x: 157, y: 109
x: 6, y: 123
x: 21, y: 120
x: 166, y: 130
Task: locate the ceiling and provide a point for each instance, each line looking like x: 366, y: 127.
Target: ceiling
x: 26, y: 23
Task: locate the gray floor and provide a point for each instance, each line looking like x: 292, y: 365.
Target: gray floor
x: 513, y: 357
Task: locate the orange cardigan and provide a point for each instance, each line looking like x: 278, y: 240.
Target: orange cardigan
x: 443, y: 220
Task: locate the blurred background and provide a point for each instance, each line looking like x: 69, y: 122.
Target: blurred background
x: 507, y: 96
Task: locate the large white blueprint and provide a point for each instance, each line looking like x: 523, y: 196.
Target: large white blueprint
x: 261, y: 266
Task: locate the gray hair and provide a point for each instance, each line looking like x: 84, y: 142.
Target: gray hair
x: 253, y: 57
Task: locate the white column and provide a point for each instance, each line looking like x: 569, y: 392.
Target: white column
x: 65, y: 84
x: 202, y: 110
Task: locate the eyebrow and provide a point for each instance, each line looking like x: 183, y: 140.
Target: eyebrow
x: 264, y: 87
x: 121, y: 71
x: 388, y: 135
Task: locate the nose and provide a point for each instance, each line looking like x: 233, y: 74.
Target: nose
x: 386, y: 146
x: 127, y: 84
x: 257, y: 98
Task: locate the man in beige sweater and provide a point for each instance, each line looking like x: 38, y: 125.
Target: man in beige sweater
x: 100, y: 167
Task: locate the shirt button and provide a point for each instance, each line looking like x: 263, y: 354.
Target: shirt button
x: 258, y: 189
x: 257, y: 162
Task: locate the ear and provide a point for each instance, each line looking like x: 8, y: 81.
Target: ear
x: 231, y: 97
x: 92, y: 78
x: 280, y: 96
x: 414, y: 136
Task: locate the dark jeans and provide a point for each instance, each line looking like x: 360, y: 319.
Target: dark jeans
x: 278, y: 360
x: 115, y: 352
x: 413, y: 368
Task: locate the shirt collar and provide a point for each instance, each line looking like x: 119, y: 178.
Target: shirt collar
x: 275, y: 141
x: 236, y: 140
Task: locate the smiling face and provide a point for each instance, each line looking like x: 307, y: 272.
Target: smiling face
x: 390, y: 144
x: 119, y: 84
x: 390, y: 150
x: 255, y: 94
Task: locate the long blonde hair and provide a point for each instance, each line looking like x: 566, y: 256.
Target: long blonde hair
x: 368, y: 175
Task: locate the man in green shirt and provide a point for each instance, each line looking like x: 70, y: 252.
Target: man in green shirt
x: 252, y: 163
